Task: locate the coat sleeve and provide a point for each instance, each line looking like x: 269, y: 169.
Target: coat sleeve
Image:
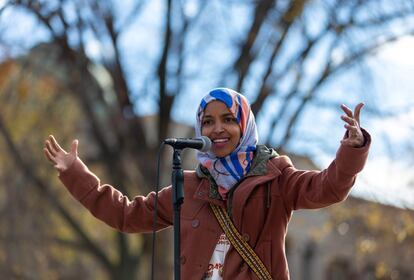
x: 112, y: 207
x: 316, y: 189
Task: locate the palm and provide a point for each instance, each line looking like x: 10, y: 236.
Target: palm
x: 61, y: 159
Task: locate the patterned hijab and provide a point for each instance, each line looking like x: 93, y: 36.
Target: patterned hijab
x: 229, y: 170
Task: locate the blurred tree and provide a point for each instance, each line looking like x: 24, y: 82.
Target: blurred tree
x: 28, y: 238
x: 116, y: 62
x: 379, y: 229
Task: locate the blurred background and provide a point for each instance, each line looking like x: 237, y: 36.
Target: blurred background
x: 121, y: 76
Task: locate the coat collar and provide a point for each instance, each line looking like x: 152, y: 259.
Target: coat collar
x: 204, y: 192
x: 262, y: 170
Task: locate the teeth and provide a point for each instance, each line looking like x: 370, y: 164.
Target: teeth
x: 220, y: 140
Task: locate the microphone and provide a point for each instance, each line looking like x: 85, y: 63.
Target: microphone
x: 203, y: 143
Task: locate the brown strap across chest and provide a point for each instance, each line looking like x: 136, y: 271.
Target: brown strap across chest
x: 241, y: 246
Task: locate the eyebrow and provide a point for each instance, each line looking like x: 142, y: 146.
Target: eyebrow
x: 223, y: 115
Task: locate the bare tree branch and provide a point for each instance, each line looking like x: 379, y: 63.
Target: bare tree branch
x: 246, y: 56
x: 135, y: 11
x: 165, y: 98
x: 327, y: 74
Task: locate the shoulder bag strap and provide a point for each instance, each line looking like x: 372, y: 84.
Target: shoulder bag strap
x: 241, y: 246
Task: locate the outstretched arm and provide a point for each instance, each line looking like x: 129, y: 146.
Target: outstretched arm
x: 304, y: 189
x: 104, y: 201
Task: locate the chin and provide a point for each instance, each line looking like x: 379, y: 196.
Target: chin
x: 221, y: 155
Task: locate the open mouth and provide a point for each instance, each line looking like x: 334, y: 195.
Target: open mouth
x: 220, y: 142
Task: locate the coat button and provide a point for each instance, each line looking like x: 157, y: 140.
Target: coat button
x: 246, y: 237
x: 195, y: 223
x: 183, y: 259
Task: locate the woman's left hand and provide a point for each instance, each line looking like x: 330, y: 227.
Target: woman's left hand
x: 355, y: 137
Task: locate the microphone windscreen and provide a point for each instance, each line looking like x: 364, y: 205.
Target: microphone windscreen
x: 207, y: 144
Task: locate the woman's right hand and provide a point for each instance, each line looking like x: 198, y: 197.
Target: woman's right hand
x: 58, y: 156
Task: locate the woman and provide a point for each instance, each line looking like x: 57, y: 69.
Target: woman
x: 255, y: 189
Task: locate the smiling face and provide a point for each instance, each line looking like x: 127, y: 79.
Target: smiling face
x: 221, y: 127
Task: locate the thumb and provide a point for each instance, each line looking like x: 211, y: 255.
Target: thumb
x: 357, y: 111
x: 74, y: 147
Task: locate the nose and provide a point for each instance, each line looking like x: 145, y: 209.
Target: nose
x: 218, y: 127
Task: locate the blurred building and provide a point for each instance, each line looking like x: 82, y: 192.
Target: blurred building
x: 355, y: 239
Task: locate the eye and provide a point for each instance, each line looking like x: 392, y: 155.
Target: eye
x: 230, y: 120
x: 206, y: 122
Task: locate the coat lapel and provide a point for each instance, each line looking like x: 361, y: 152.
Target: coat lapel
x: 243, y: 192
x: 202, y: 193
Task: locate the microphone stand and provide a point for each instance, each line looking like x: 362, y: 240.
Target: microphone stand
x: 178, y: 199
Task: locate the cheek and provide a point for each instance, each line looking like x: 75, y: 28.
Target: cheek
x: 205, y: 131
x: 235, y: 131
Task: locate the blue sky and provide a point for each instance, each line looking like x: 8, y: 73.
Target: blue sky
x: 390, y: 178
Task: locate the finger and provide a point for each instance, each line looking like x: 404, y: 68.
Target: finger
x: 353, y: 130
x: 55, y: 143
x: 351, y: 142
x: 50, y: 148
x: 357, y: 111
x: 48, y: 155
x: 356, y: 143
x: 347, y: 111
x: 346, y: 142
x: 350, y: 121
x: 74, y: 147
